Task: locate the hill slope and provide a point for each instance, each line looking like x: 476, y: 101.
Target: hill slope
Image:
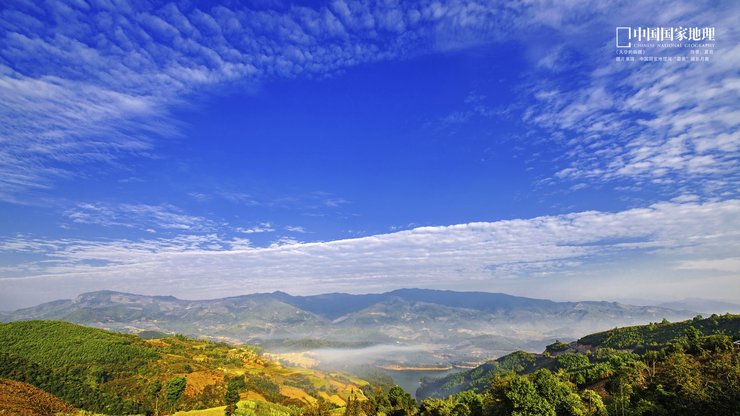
x: 584, y: 351
x: 21, y: 399
x: 117, y: 373
x: 657, y: 334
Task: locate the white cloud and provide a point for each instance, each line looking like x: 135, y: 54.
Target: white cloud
x: 264, y: 227
x: 731, y: 264
x: 99, y: 86
x: 140, y: 216
x: 595, y: 249
x: 284, y: 241
x: 672, y: 124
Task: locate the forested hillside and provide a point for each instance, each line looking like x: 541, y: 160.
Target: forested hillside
x: 685, y: 368
x: 656, y: 334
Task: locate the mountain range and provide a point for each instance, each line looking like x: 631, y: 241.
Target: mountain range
x: 705, y: 306
x: 422, y: 326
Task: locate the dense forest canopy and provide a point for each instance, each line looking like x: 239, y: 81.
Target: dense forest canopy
x: 683, y: 368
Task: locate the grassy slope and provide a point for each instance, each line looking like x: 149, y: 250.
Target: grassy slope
x: 258, y: 407
x: 86, y: 361
x: 21, y: 399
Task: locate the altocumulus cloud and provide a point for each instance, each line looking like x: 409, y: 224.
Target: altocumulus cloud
x: 86, y: 82
x: 142, y: 216
x: 90, y: 82
x: 675, y: 125
x: 691, y: 239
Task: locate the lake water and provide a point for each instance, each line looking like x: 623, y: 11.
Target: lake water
x: 410, y: 380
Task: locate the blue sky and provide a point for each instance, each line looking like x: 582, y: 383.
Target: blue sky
x: 203, y: 150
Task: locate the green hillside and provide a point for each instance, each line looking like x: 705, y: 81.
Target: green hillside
x: 656, y: 334
x: 478, y: 378
x: 685, y: 368
x: 115, y: 373
x: 90, y: 368
x: 52, y: 343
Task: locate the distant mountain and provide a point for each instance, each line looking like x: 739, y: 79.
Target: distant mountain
x: 705, y: 306
x: 429, y: 326
x: 330, y: 305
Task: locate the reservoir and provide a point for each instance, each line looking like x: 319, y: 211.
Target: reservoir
x: 409, y: 380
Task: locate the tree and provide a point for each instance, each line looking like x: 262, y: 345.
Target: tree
x: 377, y: 402
x: 401, y: 402
x: 435, y: 407
x: 525, y: 400
x: 320, y: 408
x: 572, y: 361
x: 558, y: 393
x: 472, y: 400
x: 515, y: 395
x: 594, y: 404
x: 152, y: 392
x: 353, y: 406
x: 175, y: 388
x: 231, y: 398
x: 460, y: 409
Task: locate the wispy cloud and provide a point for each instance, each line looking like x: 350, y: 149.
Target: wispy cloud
x: 276, y: 198
x: 660, y: 241
x: 85, y: 83
x: 668, y: 123
x: 672, y: 124
x: 93, y: 82
x: 140, y: 216
x: 475, y: 106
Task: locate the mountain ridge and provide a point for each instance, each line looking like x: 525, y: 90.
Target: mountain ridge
x: 308, y: 302
x: 451, y: 326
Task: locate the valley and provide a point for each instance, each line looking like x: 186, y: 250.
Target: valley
x: 409, y: 327
x: 400, y: 337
